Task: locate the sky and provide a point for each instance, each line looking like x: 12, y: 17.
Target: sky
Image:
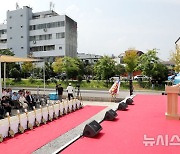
x: 110, y: 27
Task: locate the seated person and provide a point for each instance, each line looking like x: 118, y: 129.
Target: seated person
x: 5, y: 103
x: 23, y: 102
x: 30, y: 100
x: 15, y: 100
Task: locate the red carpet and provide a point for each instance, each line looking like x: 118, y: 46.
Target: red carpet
x: 126, y: 134
x: 34, y: 139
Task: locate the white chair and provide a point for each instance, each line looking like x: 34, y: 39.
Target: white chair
x: 65, y: 107
x: 45, y: 113
x: 31, y: 119
x: 56, y: 110
x: 74, y: 104
x: 23, y: 120
x: 50, y: 112
x: 38, y: 116
x: 14, y: 124
x: 70, y: 104
x: 4, y: 127
x: 61, y: 108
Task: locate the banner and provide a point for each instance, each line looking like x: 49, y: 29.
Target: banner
x: 114, y: 90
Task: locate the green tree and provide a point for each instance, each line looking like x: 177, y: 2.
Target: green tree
x: 131, y: 60
x: 9, y: 66
x: 120, y: 69
x: 150, y: 65
x: 15, y: 73
x: 176, y: 58
x: 38, y: 72
x: 68, y: 65
x: 160, y: 72
x: 27, y: 68
x: 57, y: 65
x: 48, y: 71
x: 104, y: 68
x: 6, y: 52
x: 148, y: 62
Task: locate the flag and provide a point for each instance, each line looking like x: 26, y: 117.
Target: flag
x: 114, y: 90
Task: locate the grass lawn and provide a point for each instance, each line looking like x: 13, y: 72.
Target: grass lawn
x: 93, y: 84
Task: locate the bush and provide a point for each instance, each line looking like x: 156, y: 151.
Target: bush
x: 31, y: 80
x: 79, y: 78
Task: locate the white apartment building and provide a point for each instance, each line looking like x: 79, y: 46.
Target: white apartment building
x: 42, y: 35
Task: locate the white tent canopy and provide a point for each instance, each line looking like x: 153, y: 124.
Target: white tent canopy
x: 10, y: 59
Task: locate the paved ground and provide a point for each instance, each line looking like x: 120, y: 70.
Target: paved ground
x: 62, y: 141
x: 91, y: 95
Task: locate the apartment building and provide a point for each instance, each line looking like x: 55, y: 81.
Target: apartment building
x: 42, y: 35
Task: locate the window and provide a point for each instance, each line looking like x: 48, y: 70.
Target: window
x: 47, y: 25
x: 10, y: 38
x: 40, y: 37
x: 10, y: 17
x: 10, y: 27
x: 21, y: 36
x: 60, y: 35
x: 21, y: 15
x: 3, y: 41
x: 3, y: 31
x: 60, y: 48
x: 42, y: 48
x: 21, y: 26
x: 22, y: 47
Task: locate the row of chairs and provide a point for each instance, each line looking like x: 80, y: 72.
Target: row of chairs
x: 28, y: 120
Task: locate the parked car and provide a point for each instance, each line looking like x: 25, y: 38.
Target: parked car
x: 115, y: 78
x: 141, y: 77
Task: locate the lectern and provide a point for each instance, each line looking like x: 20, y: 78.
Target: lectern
x: 172, y: 102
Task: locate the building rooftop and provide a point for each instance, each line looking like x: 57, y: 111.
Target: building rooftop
x: 44, y: 14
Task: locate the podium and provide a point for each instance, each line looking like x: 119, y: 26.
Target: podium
x: 172, y: 102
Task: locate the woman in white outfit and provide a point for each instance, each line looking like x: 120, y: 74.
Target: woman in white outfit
x: 23, y: 101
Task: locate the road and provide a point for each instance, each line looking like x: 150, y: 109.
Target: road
x: 88, y: 93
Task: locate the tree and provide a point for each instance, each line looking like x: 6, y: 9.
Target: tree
x: 6, y: 52
x: 15, y: 73
x: 150, y: 65
x: 176, y: 58
x: 9, y: 66
x: 120, y: 69
x: 38, y: 72
x: 27, y: 68
x: 131, y: 60
x: 160, y: 72
x: 104, y: 68
x: 147, y: 62
x: 48, y: 70
x: 57, y: 65
x: 69, y: 66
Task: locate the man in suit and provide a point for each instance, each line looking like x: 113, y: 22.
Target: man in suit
x: 30, y: 100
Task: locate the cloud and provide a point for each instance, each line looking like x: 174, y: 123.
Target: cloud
x: 73, y: 9
x: 98, y: 11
